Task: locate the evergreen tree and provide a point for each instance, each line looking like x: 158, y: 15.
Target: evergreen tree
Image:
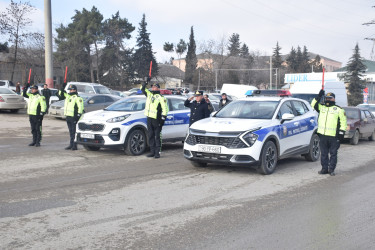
x: 143, y: 54
x: 191, y: 59
x: 317, y: 65
x: 299, y: 60
x: 4, y: 47
x: 305, y: 65
x: 277, y: 60
x: 116, y: 61
x: 234, y: 45
x: 292, y: 61
x: 244, y: 51
x: 355, y: 68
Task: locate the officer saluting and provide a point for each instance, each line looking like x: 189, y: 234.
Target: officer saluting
x: 36, y: 109
x: 156, y: 110
x: 331, y: 129
x: 198, y: 108
x: 73, y: 109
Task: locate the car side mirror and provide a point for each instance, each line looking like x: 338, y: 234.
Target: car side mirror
x: 286, y: 117
x: 91, y: 102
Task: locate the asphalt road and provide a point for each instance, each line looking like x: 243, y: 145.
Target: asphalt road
x: 51, y: 198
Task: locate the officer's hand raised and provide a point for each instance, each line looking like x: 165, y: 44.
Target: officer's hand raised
x: 321, y: 93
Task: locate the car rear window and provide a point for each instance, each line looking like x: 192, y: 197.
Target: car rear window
x: 6, y: 91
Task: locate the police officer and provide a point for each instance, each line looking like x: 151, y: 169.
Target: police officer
x: 36, y: 109
x: 198, y: 108
x: 331, y: 129
x: 73, y: 109
x: 156, y: 110
x: 46, y: 92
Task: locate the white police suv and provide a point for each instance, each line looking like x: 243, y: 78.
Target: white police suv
x: 255, y: 131
x: 123, y: 124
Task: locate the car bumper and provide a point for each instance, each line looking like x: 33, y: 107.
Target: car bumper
x: 349, y: 134
x: 58, y: 113
x: 227, y: 156
x: 12, y: 105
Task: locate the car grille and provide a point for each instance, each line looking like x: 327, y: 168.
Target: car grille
x: 90, y: 127
x: 229, y: 142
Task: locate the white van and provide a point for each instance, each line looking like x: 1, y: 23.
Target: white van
x: 89, y: 88
x: 308, y: 90
x: 236, y: 90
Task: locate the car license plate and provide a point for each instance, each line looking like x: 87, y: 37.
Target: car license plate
x: 209, y: 149
x: 88, y: 136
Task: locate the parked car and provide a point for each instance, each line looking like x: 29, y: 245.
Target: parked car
x: 89, y: 88
x: 8, y: 84
x: 90, y: 103
x: 361, y: 124
x: 118, y: 93
x: 9, y: 100
x: 130, y: 91
x: 124, y: 125
x: 256, y: 131
x: 370, y: 107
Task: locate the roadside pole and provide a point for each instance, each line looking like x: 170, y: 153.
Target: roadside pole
x: 48, y: 43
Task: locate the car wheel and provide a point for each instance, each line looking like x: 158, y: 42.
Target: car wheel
x: 372, y: 137
x: 314, y: 151
x: 91, y: 148
x: 268, y: 158
x: 135, y: 144
x: 355, y: 139
x: 198, y: 164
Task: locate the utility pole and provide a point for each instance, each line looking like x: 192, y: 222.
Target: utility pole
x: 48, y: 43
x: 271, y: 72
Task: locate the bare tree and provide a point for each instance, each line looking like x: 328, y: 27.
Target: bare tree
x: 14, y: 23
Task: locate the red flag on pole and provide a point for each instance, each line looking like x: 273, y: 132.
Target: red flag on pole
x: 29, y: 76
x: 66, y: 71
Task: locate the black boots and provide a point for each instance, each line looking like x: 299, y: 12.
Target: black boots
x: 32, y: 144
x: 68, y: 147
x: 323, y: 171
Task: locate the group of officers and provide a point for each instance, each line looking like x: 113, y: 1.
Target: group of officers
x: 331, y: 121
x: 38, y: 107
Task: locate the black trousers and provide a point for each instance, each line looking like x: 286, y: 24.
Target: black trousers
x: 72, y: 125
x: 36, y: 127
x: 329, y: 146
x: 154, y: 130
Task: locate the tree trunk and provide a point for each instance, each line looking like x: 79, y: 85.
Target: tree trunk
x: 97, y: 62
x: 15, y: 58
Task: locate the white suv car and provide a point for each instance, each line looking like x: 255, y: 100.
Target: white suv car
x: 123, y: 124
x: 89, y: 88
x: 255, y: 131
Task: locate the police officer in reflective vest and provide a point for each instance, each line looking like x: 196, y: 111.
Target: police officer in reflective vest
x: 36, y: 108
x: 156, y: 110
x: 73, y: 109
x: 198, y: 108
x: 331, y: 129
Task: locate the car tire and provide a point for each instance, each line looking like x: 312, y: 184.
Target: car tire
x: 198, y: 164
x: 372, y: 137
x: 314, y: 150
x: 355, y: 139
x: 135, y: 143
x: 268, y: 158
x: 91, y: 148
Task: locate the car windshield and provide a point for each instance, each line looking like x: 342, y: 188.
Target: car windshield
x: 6, y: 91
x: 352, y: 113
x: 128, y: 104
x: 101, y: 90
x: 248, y: 110
x: 369, y: 107
x: 85, y: 97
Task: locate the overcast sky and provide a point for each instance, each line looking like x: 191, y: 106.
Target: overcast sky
x: 330, y: 28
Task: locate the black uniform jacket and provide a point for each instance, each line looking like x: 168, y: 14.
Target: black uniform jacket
x: 198, y: 111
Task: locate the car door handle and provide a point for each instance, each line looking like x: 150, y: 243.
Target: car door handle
x: 169, y: 117
x: 296, y: 123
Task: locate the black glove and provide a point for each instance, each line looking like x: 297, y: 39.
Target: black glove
x: 321, y: 93
x: 162, y: 121
x: 341, y: 135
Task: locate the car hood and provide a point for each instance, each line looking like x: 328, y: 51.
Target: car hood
x: 102, y: 115
x: 213, y: 124
x: 352, y: 121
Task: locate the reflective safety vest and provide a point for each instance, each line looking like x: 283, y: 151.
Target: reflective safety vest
x: 331, y: 119
x: 34, y: 102
x: 70, y: 102
x: 152, y: 103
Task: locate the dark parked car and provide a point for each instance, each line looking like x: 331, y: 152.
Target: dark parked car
x: 361, y: 124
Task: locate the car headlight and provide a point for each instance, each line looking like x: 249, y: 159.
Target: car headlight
x: 250, y: 138
x: 118, y: 118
